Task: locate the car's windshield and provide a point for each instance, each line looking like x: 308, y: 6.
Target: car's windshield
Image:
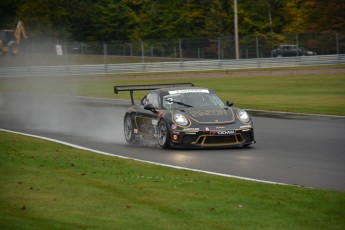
x: 191, y: 98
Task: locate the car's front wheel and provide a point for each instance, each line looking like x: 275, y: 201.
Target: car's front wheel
x: 128, y: 129
x: 163, y: 134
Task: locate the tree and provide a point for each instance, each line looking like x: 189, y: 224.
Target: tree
x: 45, y: 18
x: 217, y: 19
x: 114, y: 20
x: 327, y: 15
x: 81, y: 19
x: 260, y: 17
x: 8, y: 10
x: 105, y: 20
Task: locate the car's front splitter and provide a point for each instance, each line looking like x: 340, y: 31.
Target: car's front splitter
x: 213, y: 138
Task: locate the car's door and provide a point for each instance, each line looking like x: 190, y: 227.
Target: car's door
x: 287, y: 51
x: 146, y: 119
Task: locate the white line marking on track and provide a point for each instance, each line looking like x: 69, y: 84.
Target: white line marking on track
x: 150, y: 162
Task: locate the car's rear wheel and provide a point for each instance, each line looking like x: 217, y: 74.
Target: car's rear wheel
x: 128, y: 129
x: 163, y: 134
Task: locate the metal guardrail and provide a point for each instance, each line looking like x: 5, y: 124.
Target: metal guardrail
x: 171, y: 66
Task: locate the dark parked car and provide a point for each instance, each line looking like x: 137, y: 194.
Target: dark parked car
x: 182, y: 115
x: 291, y: 50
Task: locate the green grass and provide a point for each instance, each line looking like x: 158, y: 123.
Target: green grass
x: 305, y: 93
x: 316, y: 94
x: 46, y: 185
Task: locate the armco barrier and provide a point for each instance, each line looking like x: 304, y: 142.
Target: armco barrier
x: 171, y: 66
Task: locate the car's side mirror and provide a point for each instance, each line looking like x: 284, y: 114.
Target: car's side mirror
x: 150, y: 107
x: 229, y: 103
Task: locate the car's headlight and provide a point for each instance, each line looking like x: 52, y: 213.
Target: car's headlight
x: 180, y: 119
x: 243, y: 116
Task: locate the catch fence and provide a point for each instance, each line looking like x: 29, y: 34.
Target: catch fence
x: 222, y: 48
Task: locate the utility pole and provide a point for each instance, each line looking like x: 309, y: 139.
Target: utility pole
x: 237, y: 47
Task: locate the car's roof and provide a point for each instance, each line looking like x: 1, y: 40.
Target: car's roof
x: 180, y: 88
x: 288, y: 45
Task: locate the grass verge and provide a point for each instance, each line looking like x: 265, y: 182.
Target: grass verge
x: 308, y: 93
x: 46, y: 185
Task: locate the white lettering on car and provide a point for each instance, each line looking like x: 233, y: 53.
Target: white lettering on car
x: 189, y: 91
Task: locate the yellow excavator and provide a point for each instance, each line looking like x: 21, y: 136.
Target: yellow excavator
x: 10, y: 39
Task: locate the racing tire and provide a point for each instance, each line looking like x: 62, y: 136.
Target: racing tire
x: 128, y: 129
x: 163, y: 135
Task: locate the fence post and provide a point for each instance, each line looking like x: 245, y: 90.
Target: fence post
x: 337, y: 41
x: 218, y: 48
x: 180, y: 49
x: 142, y: 52
x: 105, y: 51
x: 257, y: 47
x: 65, y: 55
x: 297, y: 45
x: 27, y: 57
x: 82, y: 48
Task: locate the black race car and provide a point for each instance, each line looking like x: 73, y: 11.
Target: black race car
x: 182, y: 115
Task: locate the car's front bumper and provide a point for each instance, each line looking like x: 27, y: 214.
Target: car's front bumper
x: 213, y: 139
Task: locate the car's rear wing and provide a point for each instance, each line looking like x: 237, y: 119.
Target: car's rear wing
x: 132, y: 88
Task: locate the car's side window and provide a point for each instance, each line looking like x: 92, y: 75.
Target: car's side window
x: 152, y: 98
x: 144, y: 101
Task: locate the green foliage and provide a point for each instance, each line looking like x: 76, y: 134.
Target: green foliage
x: 257, y: 17
x: 295, y: 12
x: 326, y: 15
x: 105, y: 20
x: 81, y: 17
x: 110, y: 21
x: 45, y: 17
x: 8, y: 13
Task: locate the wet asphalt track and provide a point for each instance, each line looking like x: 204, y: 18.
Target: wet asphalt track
x: 293, y: 149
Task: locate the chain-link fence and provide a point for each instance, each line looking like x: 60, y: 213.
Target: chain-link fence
x: 66, y: 53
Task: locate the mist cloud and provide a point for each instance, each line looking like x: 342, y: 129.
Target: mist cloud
x: 100, y: 120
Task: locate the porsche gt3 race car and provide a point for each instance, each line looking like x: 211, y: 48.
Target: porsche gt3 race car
x: 183, y: 115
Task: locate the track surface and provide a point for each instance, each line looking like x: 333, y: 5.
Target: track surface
x: 293, y: 149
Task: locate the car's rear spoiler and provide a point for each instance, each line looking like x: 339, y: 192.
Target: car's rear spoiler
x: 132, y: 88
